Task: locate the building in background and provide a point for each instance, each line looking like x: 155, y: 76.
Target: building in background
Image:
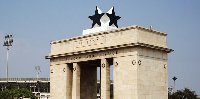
x: 40, y: 87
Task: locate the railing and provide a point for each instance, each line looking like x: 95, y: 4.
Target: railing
x: 25, y: 79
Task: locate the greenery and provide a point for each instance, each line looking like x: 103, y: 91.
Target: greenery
x: 16, y: 93
x: 184, y: 94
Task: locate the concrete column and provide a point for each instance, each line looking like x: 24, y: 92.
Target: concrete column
x: 105, y: 79
x: 61, y: 81
x: 69, y: 74
x: 88, y: 82
x: 76, y: 81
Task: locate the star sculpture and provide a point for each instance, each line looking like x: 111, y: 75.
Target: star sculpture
x: 113, y: 17
x: 97, y: 17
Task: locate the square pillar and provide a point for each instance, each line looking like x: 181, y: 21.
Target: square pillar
x: 76, y: 81
x: 69, y: 72
x: 105, y: 79
x: 61, y: 81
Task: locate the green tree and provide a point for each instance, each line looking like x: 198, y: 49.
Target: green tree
x: 183, y: 94
x: 5, y: 94
x: 11, y: 94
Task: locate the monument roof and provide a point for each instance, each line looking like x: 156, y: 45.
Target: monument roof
x: 111, y: 31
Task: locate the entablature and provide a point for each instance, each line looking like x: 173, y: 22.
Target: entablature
x: 131, y: 36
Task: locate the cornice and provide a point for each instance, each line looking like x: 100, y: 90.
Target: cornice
x: 111, y: 47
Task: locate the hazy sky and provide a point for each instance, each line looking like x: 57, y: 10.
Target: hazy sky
x: 34, y: 23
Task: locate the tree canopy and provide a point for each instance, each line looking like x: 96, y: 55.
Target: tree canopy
x: 16, y: 93
x: 184, y: 94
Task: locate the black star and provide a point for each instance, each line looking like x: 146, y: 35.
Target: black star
x: 96, y: 18
x: 113, y: 18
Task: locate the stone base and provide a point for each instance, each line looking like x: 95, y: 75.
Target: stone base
x: 97, y: 29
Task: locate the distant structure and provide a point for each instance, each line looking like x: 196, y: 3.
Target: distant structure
x: 37, y: 69
x: 8, y: 42
x: 39, y: 86
x: 138, y: 55
x: 174, y: 79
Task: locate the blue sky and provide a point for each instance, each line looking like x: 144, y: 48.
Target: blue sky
x: 34, y: 23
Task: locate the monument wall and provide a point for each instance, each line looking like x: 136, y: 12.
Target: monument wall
x: 138, y: 56
x: 120, y: 36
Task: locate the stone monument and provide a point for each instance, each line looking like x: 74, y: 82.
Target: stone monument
x: 138, y: 55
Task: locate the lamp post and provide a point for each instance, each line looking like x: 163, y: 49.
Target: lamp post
x: 174, y: 78
x: 8, y: 42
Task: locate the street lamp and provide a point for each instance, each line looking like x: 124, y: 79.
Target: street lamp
x: 174, y: 78
x: 8, y: 42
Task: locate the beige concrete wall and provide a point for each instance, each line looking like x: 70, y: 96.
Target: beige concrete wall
x: 142, y: 75
x: 120, y: 36
x: 61, y: 81
x: 139, y: 61
x: 125, y: 77
x: 152, y: 74
x: 139, y: 73
x: 151, y: 38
